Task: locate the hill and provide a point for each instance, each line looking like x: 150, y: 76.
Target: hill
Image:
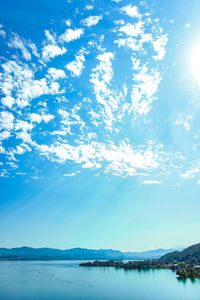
x: 28, y: 253
x: 189, y: 255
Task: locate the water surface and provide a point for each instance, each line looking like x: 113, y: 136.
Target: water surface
x: 66, y: 280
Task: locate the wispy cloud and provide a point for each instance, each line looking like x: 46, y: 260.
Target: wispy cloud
x: 2, y: 32
x: 16, y: 42
x: 147, y: 82
x: 91, y: 21
x: 69, y: 174
x: 76, y: 66
x: 89, y: 7
x: 150, y: 182
x: 107, y: 99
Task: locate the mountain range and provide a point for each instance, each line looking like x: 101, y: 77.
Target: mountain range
x: 28, y: 253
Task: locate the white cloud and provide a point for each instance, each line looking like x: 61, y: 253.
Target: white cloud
x: 56, y: 73
x: 71, y: 35
x: 134, y: 160
x: 110, y: 102
x: 102, y: 74
x: 21, y: 173
x: 33, y: 89
x: 132, y: 29
x: 12, y: 165
x: 189, y: 174
x: 6, y: 120
x: 36, y: 118
x: 150, y: 182
x: 119, y: 22
x: 51, y: 51
x: 8, y: 101
x: 89, y: 7
x: 2, y: 150
x: 71, y: 119
x: 131, y: 11
x: 129, y: 42
x: 16, y: 42
x: 4, y: 173
x: 68, y: 22
x: 23, y: 126
x: 18, y: 80
x: 137, y: 37
x: 122, y: 160
x: 91, y: 165
x: 61, y: 132
x: 147, y: 82
x: 185, y: 121
x: 19, y: 150
x: 136, y: 63
x: 76, y: 66
x: 95, y: 117
x: 50, y: 37
x: 69, y: 174
x: 159, y: 46
x: 54, y: 88
x: 91, y: 21
x: 33, y: 48
x: 4, y: 135
x: 2, y: 33
x: 105, y: 66
x: 24, y: 136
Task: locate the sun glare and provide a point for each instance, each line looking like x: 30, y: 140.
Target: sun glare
x: 195, y: 62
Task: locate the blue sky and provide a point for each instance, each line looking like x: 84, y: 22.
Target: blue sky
x: 99, y: 123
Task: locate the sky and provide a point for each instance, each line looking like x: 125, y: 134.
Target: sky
x: 99, y: 124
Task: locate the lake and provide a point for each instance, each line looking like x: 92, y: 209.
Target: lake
x: 55, y: 280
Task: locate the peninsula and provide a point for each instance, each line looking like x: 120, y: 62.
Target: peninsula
x: 185, y: 263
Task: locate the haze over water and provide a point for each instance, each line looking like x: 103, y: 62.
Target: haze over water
x: 55, y: 280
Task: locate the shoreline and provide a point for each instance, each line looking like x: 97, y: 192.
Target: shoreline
x: 182, y: 270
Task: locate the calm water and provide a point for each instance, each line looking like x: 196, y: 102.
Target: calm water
x: 66, y: 280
